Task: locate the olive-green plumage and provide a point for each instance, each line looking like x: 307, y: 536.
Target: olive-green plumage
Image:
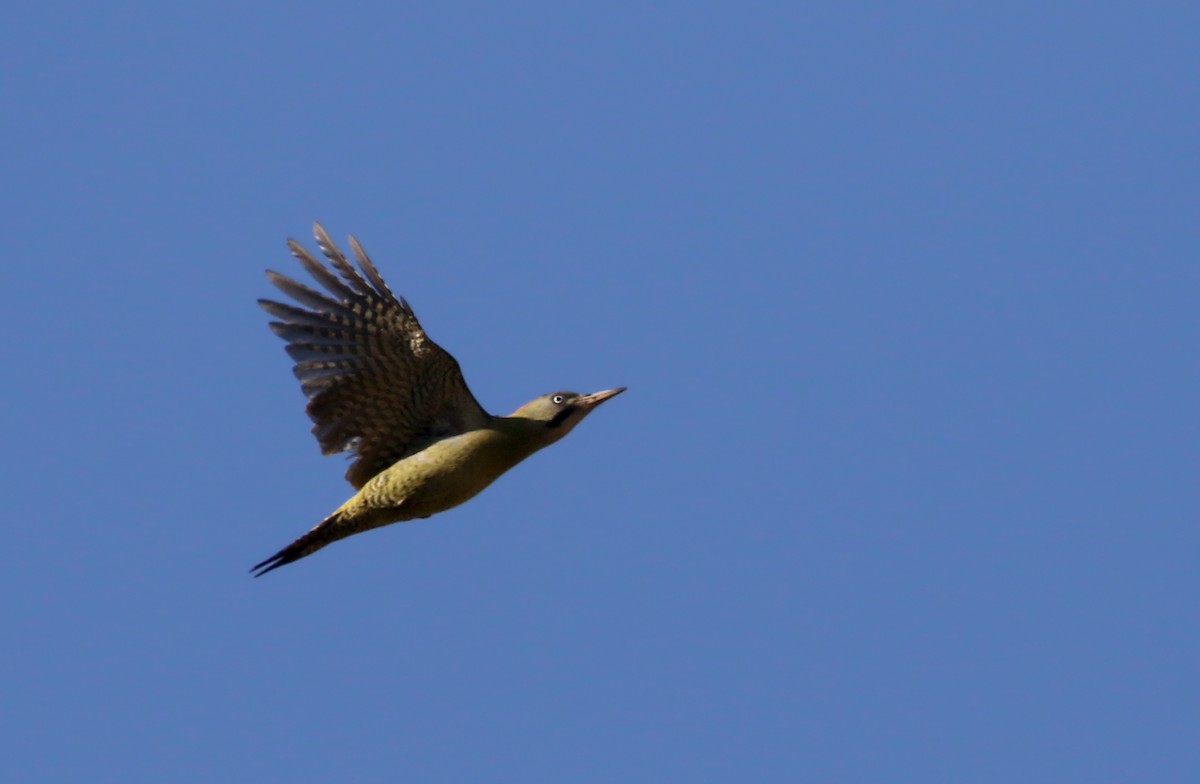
x: 379, y: 387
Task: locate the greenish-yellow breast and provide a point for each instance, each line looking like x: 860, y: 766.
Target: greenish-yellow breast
x: 443, y: 475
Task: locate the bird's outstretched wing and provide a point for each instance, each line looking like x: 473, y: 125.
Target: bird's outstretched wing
x: 376, y: 384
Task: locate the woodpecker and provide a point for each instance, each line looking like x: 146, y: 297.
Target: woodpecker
x: 380, y: 388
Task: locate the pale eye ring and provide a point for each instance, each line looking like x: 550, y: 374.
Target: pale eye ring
x: 557, y: 400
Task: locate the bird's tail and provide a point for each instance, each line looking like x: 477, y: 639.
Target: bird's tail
x: 323, y: 533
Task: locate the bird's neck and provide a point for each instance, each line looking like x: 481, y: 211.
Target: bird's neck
x: 523, y: 434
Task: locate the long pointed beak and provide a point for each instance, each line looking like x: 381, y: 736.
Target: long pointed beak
x: 596, y: 398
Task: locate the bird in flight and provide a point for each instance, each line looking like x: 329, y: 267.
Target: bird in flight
x: 378, y: 387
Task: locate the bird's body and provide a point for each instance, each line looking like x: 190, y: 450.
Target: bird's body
x: 378, y: 386
x: 444, y: 474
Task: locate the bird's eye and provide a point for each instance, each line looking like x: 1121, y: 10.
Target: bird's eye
x: 557, y: 400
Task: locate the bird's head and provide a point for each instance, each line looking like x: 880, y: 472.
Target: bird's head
x: 558, y: 412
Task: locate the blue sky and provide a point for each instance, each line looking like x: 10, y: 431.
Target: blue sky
x: 903, y: 488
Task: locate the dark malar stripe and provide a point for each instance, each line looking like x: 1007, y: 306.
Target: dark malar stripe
x: 560, y: 417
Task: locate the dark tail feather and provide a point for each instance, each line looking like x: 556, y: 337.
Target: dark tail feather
x: 285, y: 556
x: 322, y: 534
